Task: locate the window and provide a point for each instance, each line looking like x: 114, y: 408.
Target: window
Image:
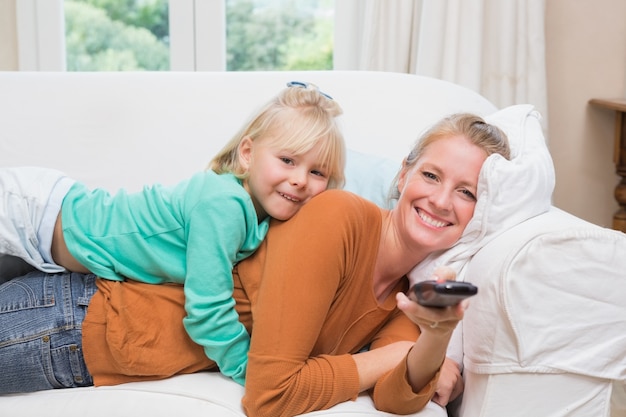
x: 279, y: 34
x: 114, y: 35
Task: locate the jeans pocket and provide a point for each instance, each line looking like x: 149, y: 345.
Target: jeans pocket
x: 20, y: 294
x: 47, y: 362
x: 40, y: 332
x: 63, y: 361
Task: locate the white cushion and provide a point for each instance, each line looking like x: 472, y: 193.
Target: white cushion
x: 370, y: 176
x: 206, y: 394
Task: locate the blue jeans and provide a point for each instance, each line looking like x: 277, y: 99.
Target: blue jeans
x: 41, y: 318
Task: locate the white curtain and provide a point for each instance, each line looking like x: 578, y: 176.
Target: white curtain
x: 494, y: 47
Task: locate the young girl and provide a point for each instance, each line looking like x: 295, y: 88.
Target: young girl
x: 192, y: 233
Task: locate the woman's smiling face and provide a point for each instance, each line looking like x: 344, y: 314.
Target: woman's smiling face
x: 438, y: 195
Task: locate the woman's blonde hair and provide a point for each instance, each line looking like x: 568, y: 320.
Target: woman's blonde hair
x: 482, y: 134
x: 299, y: 118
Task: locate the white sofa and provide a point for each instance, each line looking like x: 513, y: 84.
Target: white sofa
x: 545, y: 336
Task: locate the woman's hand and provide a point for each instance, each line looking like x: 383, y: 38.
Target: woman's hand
x: 436, y: 325
x: 438, y: 320
x: 450, y: 383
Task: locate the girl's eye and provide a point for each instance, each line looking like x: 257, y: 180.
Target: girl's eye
x: 286, y: 160
x: 318, y: 173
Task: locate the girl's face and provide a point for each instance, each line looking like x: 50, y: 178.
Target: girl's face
x: 438, y: 194
x: 280, y: 182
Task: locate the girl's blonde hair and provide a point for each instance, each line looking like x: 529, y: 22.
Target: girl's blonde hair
x: 298, y: 118
x: 482, y: 134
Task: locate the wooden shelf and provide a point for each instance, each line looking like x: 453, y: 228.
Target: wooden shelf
x: 618, y: 105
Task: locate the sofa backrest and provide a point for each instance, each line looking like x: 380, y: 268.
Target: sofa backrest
x: 126, y: 130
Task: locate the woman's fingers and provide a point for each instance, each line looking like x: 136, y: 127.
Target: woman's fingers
x: 431, y: 318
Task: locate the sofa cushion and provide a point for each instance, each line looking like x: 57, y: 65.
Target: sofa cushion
x: 370, y: 176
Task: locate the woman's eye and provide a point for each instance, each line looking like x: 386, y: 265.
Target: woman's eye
x: 429, y: 175
x: 469, y: 194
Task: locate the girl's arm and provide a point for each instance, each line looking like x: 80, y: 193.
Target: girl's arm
x: 215, y: 241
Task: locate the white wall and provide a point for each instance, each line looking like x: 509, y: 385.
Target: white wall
x: 8, y: 37
x: 586, y: 58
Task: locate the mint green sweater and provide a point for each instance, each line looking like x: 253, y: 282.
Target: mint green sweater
x: 192, y: 233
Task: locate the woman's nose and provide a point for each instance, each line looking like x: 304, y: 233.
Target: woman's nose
x: 441, y: 199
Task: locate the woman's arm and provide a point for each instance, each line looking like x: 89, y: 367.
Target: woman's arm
x: 375, y: 363
x: 429, y: 352
x: 412, y: 383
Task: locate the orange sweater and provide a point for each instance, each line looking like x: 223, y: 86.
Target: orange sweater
x: 308, y: 288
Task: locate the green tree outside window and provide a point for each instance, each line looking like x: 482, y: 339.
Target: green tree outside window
x: 133, y: 35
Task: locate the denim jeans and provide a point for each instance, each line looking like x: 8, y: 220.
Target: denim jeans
x: 41, y: 317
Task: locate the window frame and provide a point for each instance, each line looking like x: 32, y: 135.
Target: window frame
x: 41, y: 35
x: 195, y: 25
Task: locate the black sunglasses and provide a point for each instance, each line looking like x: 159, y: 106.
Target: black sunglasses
x: 308, y: 86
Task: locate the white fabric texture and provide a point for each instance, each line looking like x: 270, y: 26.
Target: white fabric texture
x: 546, y: 334
x: 493, y: 47
x: 509, y: 192
x: 529, y: 395
x: 550, y: 300
x: 30, y: 201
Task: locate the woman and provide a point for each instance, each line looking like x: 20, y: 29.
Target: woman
x: 323, y: 286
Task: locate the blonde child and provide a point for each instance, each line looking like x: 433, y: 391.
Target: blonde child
x: 191, y: 233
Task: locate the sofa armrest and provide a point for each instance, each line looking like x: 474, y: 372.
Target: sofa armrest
x: 550, y: 302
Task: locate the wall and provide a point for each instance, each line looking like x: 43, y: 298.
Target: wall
x: 586, y: 58
x: 8, y: 36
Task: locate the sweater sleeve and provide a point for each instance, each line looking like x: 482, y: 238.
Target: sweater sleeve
x: 393, y: 393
